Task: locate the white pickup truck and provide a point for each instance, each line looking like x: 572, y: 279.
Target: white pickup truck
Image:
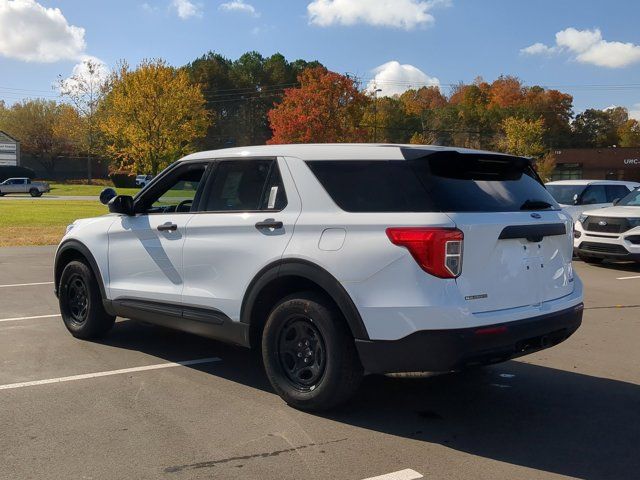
x: 23, y: 185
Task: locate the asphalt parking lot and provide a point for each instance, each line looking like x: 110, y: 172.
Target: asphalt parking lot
x: 126, y: 407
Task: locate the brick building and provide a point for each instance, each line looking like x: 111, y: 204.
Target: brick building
x: 614, y: 163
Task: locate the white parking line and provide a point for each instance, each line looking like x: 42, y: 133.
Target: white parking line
x: 406, y: 474
x: 25, y: 284
x: 628, y: 278
x: 15, y: 319
x: 111, y: 372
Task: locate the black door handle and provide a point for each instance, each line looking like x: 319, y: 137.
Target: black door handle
x: 167, y: 227
x: 269, y: 223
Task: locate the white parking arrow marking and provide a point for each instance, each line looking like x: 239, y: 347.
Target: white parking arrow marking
x: 406, y: 474
x: 628, y: 278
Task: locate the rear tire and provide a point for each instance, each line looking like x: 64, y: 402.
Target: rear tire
x: 591, y: 260
x: 309, y: 353
x: 81, y: 303
x: 34, y: 192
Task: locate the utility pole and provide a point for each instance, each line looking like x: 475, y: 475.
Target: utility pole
x: 375, y: 114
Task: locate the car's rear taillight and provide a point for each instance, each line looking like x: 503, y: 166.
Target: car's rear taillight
x: 438, y: 251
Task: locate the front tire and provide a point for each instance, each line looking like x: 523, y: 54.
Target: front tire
x: 81, y: 303
x: 309, y: 353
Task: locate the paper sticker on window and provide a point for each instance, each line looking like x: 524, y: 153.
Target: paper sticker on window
x: 272, y: 197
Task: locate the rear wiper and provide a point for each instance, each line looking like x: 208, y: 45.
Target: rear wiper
x: 535, y: 205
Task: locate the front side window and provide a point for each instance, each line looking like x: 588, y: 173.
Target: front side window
x: 176, y: 193
x: 244, y: 186
x: 594, y: 194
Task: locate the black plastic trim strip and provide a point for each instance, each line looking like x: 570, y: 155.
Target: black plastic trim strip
x: 533, y: 233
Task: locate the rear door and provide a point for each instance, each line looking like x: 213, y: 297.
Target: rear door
x: 245, y: 220
x: 517, y: 241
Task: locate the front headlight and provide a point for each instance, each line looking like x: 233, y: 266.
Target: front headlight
x: 69, y: 228
x: 582, y: 218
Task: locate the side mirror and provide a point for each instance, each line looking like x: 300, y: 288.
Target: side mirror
x: 106, y: 195
x: 122, y: 204
x: 576, y: 199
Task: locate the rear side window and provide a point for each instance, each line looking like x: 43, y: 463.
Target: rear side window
x: 444, y: 181
x: 372, y: 186
x: 245, y: 185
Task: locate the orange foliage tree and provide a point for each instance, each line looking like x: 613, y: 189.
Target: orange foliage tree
x: 327, y: 107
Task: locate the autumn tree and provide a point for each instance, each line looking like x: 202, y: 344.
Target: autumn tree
x: 523, y: 137
x: 42, y: 128
x: 86, y: 89
x: 424, y: 106
x: 545, y: 167
x: 151, y: 116
x: 629, y: 134
x: 327, y: 107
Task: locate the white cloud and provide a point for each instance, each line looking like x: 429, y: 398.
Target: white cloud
x: 186, y: 9
x: 81, y: 72
x: 394, y: 79
x: 634, y: 112
x: 406, y: 14
x: 588, y: 46
x: 240, y: 6
x: 33, y: 33
x: 538, y: 49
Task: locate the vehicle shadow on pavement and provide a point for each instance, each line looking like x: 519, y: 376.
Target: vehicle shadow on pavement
x: 538, y: 417
x: 533, y: 416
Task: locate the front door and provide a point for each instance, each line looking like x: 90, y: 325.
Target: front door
x: 247, y: 214
x: 145, y: 250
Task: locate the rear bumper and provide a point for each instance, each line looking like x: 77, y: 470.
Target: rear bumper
x: 447, y: 350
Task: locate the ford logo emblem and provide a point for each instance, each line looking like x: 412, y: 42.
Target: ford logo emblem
x: 536, y: 215
x: 602, y: 223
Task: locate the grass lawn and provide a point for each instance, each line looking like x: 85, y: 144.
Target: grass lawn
x: 85, y: 190
x: 38, y: 222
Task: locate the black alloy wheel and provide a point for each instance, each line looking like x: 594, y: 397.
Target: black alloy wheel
x: 302, y: 353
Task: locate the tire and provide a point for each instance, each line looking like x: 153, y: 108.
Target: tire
x: 81, y: 303
x: 591, y: 260
x: 307, y: 326
x: 34, y: 192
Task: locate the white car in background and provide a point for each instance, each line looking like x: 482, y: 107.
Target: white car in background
x: 143, y: 180
x: 577, y: 196
x: 610, y: 233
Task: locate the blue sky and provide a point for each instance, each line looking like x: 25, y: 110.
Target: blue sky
x: 595, y: 57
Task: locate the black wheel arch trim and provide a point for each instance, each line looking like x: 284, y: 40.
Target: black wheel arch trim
x: 83, y: 250
x: 312, y: 272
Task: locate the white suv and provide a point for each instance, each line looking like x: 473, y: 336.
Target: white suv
x: 577, y: 196
x: 336, y: 260
x: 610, y: 233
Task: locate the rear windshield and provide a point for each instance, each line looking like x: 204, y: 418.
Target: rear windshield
x: 565, y: 193
x: 444, y: 181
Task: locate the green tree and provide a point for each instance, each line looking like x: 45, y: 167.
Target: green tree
x: 151, y: 116
x: 523, y: 137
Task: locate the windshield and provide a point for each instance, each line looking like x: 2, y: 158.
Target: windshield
x: 631, y: 200
x: 564, y: 193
